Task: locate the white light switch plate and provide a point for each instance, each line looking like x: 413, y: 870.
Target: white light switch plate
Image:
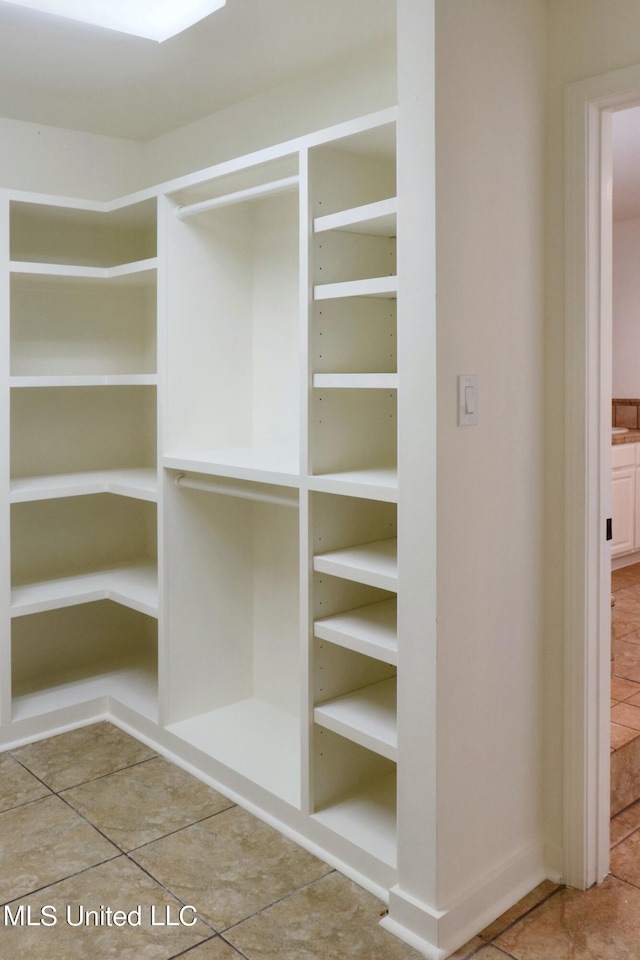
x: 467, y: 399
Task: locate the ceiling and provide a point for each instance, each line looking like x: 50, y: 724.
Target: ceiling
x: 626, y: 164
x: 68, y: 74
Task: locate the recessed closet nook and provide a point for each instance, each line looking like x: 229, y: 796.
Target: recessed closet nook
x: 203, y: 412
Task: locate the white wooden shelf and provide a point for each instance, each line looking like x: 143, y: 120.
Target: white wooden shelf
x: 373, y: 563
x: 139, y: 483
x: 253, y: 738
x: 384, y: 287
x: 376, y: 219
x: 376, y: 483
x: 356, y: 381
x: 366, y: 817
x: 131, y: 681
x: 366, y: 716
x: 140, y: 271
x: 82, y: 380
x: 133, y: 585
x: 370, y: 630
x: 275, y: 465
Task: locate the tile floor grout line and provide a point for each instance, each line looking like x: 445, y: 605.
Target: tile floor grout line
x: 25, y: 803
x: 286, y: 896
x: 232, y: 947
x: 142, y: 845
x: 185, y: 953
x: 54, y: 883
x: 510, y: 955
x: 172, y: 833
x: 622, y: 839
x: 92, y: 825
x: 81, y: 783
x: 168, y: 890
x: 540, y: 903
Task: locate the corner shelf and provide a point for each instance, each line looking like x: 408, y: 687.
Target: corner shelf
x: 139, y: 483
x: 374, y: 563
x: 139, y: 270
x: 370, y: 630
x: 131, y: 680
x: 81, y: 380
x: 132, y: 585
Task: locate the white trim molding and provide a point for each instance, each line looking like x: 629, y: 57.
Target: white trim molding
x: 437, y: 933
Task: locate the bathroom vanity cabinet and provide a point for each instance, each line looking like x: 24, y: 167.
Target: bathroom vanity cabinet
x: 625, y: 497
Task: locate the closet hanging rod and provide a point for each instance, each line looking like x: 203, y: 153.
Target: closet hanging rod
x: 262, y: 190
x: 280, y: 499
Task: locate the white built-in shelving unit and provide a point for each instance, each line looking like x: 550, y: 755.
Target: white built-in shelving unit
x: 81, y: 388
x: 235, y: 598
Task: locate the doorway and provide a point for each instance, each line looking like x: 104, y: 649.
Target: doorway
x: 590, y: 107
x: 625, y: 474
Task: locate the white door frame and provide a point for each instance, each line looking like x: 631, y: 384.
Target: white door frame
x: 588, y: 169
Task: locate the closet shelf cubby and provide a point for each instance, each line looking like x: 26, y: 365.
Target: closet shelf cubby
x: 373, y: 563
x: 139, y: 483
x: 367, y: 716
x: 375, y: 219
x: 133, y: 585
x: 370, y: 630
x: 366, y: 816
x: 242, y: 736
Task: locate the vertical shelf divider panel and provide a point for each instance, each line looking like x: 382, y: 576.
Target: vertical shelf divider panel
x: 305, y: 608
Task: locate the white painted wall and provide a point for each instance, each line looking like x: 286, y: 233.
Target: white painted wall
x: 626, y: 309
x: 349, y: 88
x: 53, y: 160
x: 490, y: 87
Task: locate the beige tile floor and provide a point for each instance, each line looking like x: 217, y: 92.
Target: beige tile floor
x: 93, y: 820
x: 625, y: 688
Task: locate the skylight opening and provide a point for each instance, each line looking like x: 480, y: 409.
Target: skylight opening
x: 152, y: 19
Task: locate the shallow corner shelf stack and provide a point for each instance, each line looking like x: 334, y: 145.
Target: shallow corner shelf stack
x: 81, y: 391
x: 202, y: 406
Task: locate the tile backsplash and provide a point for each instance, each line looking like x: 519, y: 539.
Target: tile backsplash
x: 624, y: 413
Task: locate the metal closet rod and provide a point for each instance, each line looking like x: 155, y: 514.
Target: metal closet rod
x: 262, y: 190
x: 243, y: 493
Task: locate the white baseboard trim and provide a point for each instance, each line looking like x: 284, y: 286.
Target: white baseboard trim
x: 438, y: 933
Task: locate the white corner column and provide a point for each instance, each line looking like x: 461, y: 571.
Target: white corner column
x: 411, y: 912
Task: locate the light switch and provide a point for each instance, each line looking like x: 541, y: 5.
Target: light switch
x: 467, y: 399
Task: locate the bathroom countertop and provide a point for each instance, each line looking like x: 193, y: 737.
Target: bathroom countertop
x: 632, y: 436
